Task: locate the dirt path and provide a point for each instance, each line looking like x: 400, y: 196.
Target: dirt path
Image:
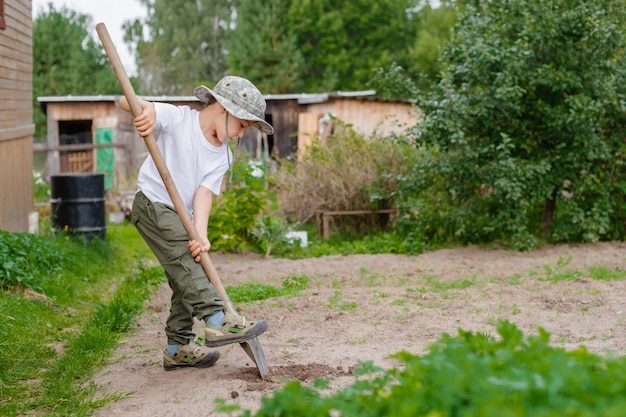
x: 366, y: 307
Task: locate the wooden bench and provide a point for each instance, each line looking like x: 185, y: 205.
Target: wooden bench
x: 324, y: 217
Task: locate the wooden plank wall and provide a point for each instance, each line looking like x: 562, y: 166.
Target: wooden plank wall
x: 370, y: 116
x: 16, y: 117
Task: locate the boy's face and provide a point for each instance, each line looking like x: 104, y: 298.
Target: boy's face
x: 236, y: 128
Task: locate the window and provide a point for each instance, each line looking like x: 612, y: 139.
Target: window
x: 76, y: 143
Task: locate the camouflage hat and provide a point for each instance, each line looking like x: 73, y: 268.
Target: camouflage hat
x: 240, y: 98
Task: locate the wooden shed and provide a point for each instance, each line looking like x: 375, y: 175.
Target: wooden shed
x: 86, y: 134
x: 16, y: 115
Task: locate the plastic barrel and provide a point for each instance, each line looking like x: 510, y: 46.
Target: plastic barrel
x: 77, y: 203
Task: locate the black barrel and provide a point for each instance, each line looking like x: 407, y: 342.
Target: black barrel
x: 78, y: 204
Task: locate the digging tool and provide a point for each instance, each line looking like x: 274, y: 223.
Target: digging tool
x: 252, y: 347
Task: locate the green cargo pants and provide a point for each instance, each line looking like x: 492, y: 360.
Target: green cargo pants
x: 192, y: 293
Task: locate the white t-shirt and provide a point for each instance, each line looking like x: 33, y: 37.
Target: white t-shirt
x: 190, y: 158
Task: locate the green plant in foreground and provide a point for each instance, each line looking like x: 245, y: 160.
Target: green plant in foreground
x: 471, y: 374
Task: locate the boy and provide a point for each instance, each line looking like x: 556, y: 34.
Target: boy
x: 194, y: 145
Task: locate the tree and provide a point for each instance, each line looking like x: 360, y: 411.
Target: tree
x: 181, y: 44
x: 67, y: 60
x: 528, y: 122
x: 433, y: 30
x: 343, y: 42
x: 264, y: 49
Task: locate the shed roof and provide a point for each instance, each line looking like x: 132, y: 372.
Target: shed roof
x: 301, y: 98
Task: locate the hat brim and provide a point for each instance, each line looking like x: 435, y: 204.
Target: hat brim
x: 204, y: 93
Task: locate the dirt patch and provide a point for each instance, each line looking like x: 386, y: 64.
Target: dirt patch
x: 368, y: 307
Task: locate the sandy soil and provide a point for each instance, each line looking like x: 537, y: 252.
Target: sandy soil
x: 366, y: 307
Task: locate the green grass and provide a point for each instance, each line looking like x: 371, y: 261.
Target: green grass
x: 598, y: 273
x: 336, y: 303
x: 434, y: 284
x: 256, y: 292
x: 64, y: 314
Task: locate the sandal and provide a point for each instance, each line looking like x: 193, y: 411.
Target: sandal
x: 234, y: 331
x: 190, y: 356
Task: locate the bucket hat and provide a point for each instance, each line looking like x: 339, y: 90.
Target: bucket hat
x: 240, y: 98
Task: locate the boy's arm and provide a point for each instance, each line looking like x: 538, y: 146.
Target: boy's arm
x: 202, y: 202
x: 146, y: 121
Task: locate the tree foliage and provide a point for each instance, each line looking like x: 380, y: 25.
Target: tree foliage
x: 264, y: 48
x: 528, y: 122
x: 433, y: 30
x: 181, y: 44
x: 343, y: 42
x: 67, y: 59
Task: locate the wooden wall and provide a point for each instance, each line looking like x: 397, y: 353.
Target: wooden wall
x: 16, y: 117
x: 369, y: 116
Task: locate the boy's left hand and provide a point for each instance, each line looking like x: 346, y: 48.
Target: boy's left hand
x: 196, y: 248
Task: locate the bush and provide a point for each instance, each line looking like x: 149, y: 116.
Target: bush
x: 353, y: 172
x: 528, y: 120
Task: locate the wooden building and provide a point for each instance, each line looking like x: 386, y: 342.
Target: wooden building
x: 92, y: 133
x: 300, y: 118
x: 16, y: 115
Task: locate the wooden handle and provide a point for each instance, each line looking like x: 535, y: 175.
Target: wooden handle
x: 136, y: 110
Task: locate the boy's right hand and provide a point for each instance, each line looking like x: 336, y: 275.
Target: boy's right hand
x: 146, y: 121
x: 196, y: 248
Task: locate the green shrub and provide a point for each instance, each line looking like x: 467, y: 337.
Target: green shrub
x: 235, y: 212
x: 528, y: 120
